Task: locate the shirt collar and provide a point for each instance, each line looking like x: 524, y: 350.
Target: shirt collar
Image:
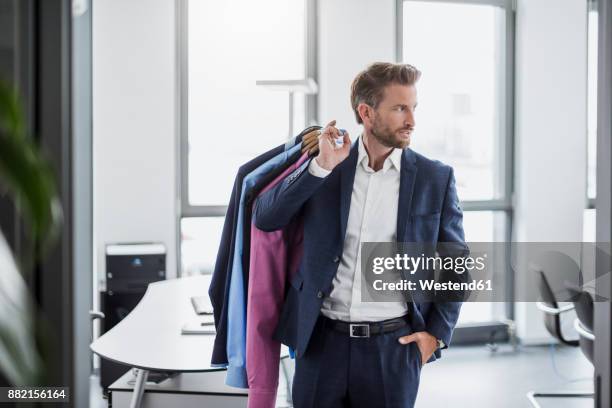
x: 393, y: 160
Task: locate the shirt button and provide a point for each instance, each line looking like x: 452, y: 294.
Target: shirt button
x: 320, y: 294
x: 336, y: 259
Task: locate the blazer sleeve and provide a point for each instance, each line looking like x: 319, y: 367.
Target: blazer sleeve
x: 275, y: 208
x: 443, y: 316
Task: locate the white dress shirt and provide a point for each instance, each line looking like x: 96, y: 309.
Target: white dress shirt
x: 372, y: 218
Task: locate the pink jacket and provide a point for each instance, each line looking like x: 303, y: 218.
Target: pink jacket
x: 275, y: 257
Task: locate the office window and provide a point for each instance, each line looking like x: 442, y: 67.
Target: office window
x: 226, y: 119
x: 230, y: 119
x: 592, y: 102
x: 199, y: 244
x: 588, y: 219
x: 589, y: 226
x: 461, y: 108
x: 484, y: 226
x: 464, y: 110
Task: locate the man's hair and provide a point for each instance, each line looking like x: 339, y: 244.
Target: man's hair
x: 369, y: 85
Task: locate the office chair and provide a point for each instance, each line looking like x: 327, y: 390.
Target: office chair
x: 552, y: 320
x: 552, y: 311
x: 583, y: 303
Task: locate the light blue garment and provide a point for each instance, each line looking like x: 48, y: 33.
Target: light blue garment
x: 290, y: 143
x: 236, y: 321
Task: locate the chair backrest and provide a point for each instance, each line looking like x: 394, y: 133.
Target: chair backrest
x: 552, y: 321
x: 556, y: 268
x: 546, y: 292
x: 583, y: 302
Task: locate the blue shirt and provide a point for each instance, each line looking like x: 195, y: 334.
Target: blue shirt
x: 236, y: 328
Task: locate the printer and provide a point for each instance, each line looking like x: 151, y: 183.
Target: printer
x: 130, y: 267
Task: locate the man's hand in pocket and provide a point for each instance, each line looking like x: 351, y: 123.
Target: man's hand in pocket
x: 426, y: 343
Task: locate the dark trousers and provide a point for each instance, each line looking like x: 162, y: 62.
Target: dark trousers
x: 340, y: 371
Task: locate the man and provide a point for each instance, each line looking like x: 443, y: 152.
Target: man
x: 352, y: 353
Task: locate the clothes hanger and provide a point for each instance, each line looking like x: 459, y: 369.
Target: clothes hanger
x: 310, y: 142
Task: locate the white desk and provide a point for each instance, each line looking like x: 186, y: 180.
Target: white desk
x: 185, y: 390
x: 150, y: 337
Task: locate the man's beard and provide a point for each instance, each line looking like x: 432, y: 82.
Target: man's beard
x: 388, y: 138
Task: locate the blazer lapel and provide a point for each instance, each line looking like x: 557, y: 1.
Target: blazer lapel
x: 407, y: 179
x: 347, y: 177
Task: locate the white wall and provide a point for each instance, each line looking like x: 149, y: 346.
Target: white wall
x: 551, y: 123
x: 134, y: 125
x: 352, y: 34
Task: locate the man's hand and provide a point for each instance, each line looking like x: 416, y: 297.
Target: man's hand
x: 426, y: 343
x: 329, y: 156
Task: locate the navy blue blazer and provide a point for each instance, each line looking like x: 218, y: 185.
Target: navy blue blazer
x: 428, y: 212
x: 219, y: 286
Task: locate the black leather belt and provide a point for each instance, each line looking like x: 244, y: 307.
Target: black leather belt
x: 366, y: 329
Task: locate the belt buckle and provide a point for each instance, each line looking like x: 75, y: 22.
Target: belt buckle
x: 365, y: 327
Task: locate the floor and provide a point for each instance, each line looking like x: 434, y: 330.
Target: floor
x: 475, y: 377
x: 502, y: 379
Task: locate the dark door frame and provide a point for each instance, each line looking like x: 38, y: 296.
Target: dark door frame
x: 52, y: 126
x: 603, y: 206
x: 51, y: 69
